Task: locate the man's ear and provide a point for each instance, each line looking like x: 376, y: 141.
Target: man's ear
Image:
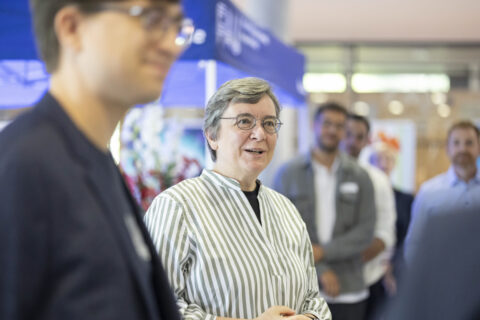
x: 67, y: 26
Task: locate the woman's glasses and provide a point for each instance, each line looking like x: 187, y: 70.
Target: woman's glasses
x: 246, y: 121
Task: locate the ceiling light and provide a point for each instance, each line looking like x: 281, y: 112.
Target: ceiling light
x: 396, y: 107
x: 439, y: 98
x: 366, y: 83
x: 361, y: 108
x: 444, y: 110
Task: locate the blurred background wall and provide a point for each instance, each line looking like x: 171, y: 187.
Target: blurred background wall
x: 408, y: 61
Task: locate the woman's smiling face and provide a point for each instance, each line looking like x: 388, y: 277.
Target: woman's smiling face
x: 244, y: 154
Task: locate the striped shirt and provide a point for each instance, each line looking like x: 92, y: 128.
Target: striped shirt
x: 221, y: 261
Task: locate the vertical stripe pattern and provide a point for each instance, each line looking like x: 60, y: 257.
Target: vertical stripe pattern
x: 221, y: 261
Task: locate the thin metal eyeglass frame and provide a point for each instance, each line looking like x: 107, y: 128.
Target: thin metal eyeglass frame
x: 277, y: 127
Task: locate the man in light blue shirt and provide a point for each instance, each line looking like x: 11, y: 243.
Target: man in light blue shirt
x: 455, y: 191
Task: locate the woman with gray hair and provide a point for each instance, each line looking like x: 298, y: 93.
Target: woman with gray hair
x: 231, y: 247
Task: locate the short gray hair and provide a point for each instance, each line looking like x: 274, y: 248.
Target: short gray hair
x: 245, y: 90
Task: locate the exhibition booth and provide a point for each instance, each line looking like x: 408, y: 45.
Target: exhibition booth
x: 154, y: 148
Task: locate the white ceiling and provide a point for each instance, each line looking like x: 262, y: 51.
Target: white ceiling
x: 385, y: 20
x: 378, y: 20
x: 383, y: 36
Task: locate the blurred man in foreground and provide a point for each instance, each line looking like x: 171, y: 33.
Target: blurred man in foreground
x: 442, y: 278
x: 72, y: 241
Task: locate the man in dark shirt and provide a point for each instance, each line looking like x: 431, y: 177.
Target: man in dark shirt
x: 72, y: 241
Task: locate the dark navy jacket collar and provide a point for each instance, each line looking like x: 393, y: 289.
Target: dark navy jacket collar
x: 78, y: 143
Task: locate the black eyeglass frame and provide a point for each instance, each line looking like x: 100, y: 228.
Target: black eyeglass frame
x: 184, y: 26
x: 278, y: 123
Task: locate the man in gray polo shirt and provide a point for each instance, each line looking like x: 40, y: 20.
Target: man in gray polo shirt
x: 335, y: 198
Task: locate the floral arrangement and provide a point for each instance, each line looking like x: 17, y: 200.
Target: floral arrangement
x: 151, y: 157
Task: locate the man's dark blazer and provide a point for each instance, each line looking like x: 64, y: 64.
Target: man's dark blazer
x: 443, y: 281
x: 65, y: 251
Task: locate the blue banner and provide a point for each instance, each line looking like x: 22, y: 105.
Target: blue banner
x: 16, y: 36
x: 244, y: 45
x: 223, y: 33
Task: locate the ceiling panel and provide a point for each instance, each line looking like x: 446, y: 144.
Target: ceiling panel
x: 384, y: 20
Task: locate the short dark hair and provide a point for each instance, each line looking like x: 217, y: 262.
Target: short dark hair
x: 43, y: 15
x: 329, y: 106
x: 359, y: 118
x: 464, y: 124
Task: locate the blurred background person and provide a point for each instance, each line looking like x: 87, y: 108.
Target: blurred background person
x: 335, y: 197
x: 452, y: 192
x: 72, y: 241
x: 233, y: 248
x: 377, y: 256
x: 384, y: 156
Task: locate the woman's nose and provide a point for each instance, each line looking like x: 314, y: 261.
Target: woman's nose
x: 258, y: 132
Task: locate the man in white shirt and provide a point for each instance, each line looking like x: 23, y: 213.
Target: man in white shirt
x: 378, y: 254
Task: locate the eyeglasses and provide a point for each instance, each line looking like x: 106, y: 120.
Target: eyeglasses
x: 153, y: 18
x: 246, y: 121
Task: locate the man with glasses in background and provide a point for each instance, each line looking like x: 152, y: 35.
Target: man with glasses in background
x: 335, y: 198
x: 72, y: 241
